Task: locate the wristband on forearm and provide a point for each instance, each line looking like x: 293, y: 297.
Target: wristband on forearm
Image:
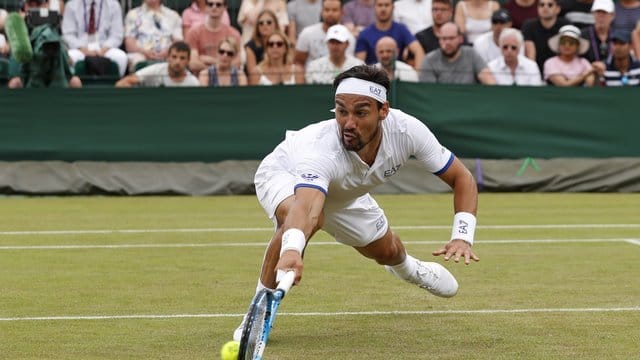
x: 464, y: 227
x: 293, y: 239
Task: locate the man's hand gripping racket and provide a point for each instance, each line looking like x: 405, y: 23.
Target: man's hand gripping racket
x: 260, y: 318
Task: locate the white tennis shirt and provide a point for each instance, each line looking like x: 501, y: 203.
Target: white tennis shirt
x: 317, y: 158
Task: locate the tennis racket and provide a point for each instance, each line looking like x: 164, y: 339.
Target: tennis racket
x: 260, y: 318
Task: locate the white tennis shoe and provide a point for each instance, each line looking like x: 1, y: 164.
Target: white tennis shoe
x: 434, y: 278
x: 237, y: 333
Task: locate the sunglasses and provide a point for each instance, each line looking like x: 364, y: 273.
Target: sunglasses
x: 226, y: 52
x: 549, y: 5
x: 275, y: 44
x: 215, y: 4
x: 568, y: 42
x: 265, y: 22
x: 509, y: 47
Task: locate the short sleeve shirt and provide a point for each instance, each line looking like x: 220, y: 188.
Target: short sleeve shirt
x: 153, y: 30
x: 316, y: 156
x: 436, y: 68
x: 370, y: 35
x: 157, y: 75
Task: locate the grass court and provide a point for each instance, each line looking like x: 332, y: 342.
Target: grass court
x: 170, y: 277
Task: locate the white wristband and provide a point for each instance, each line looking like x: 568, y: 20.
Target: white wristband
x: 464, y: 227
x: 293, y: 239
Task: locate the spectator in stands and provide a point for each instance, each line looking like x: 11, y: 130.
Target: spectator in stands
x: 94, y: 29
x: 521, y: 11
x: 324, y: 69
x: 171, y: 73
x: 303, y: 13
x: 254, y: 49
x: 311, y: 43
x: 441, y: 13
x: 577, y: 12
x: 620, y: 69
x: 196, y: 14
x: 414, y: 14
x: 473, y: 17
x: 250, y: 9
x: 277, y: 68
x: 454, y: 63
x: 224, y: 72
x: 205, y: 38
x: 486, y: 45
x: 627, y: 19
x: 358, y: 14
x: 568, y: 68
x: 4, y: 44
x: 598, y: 33
x: 386, y: 52
x: 385, y: 26
x: 537, y: 32
x: 149, y: 31
x: 513, y: 68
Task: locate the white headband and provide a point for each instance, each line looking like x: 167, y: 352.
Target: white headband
x: 362, y: 87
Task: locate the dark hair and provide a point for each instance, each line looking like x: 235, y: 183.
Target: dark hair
x: 446, y: 2
x: 365, y: 72
x: 180, y: 46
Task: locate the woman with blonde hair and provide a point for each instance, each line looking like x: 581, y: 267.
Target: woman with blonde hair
x: 250, y: 9
x: 277, y: 67
x: 224, y: 73
x: 254, y: 48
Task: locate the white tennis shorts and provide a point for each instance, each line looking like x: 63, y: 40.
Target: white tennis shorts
x: 356, y: 223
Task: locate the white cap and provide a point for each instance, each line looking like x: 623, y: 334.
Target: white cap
x: 337, y: 32
x: 603, y: 5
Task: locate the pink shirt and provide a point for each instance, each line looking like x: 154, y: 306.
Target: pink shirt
x: 570, y: 70
x: 206, y: 41
x: 192, y: 16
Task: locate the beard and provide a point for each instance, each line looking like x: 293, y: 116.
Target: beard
x: 451, y: 54
x: 355, y: 142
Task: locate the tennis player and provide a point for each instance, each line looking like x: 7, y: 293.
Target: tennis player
x: 320, y: 176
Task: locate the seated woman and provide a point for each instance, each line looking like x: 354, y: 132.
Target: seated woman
x: 277, y: 67
x: 568, y: 68
x: 224, y: 73
x: 254, y: 48
x: 473, y: 17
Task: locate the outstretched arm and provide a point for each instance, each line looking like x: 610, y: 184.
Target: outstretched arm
x: 465, y: 204
x: 301, y: 222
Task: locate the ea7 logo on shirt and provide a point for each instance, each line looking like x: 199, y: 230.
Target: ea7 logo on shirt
x: 309, y: 176
x: 391, y: 171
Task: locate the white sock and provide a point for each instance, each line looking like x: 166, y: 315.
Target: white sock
x: 406, y: 270
x: 260, y: 286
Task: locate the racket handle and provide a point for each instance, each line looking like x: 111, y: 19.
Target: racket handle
x: 287, y: 281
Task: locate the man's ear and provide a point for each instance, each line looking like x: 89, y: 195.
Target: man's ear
x: 384, y: 110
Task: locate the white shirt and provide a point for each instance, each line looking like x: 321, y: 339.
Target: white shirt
x: 403, y: 72
x: 488, y: 49
x: 415, y: 14
x: 311, y: 41
x: 318, y: 159
x: 526, y: 74
x: 157, y: 75
x: 323, y: 71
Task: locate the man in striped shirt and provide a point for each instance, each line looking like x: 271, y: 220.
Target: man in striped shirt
x: 620, y: 68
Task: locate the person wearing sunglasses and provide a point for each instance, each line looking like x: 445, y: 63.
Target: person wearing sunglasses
x: 277, y: 68
x: 487, y: 45
x: 568, y: 68
x: 205, y: 38
x: 250, y: 10
x: 224, y: 73
x: 149, y: 31
x: 254, y: 48
x: 512, y: 67
x: 537, y: 32
x: 196, y: 14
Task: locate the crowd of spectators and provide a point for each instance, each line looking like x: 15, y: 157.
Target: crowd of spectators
x: 275, y: 42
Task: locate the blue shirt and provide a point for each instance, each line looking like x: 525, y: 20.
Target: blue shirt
x: 370, y: 35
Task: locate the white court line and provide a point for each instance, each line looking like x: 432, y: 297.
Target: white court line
x: 260, y: 229
x: 337, y: 314
x: 313, y: 243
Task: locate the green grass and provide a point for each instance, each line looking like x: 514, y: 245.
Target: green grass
x: 216, y: 279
